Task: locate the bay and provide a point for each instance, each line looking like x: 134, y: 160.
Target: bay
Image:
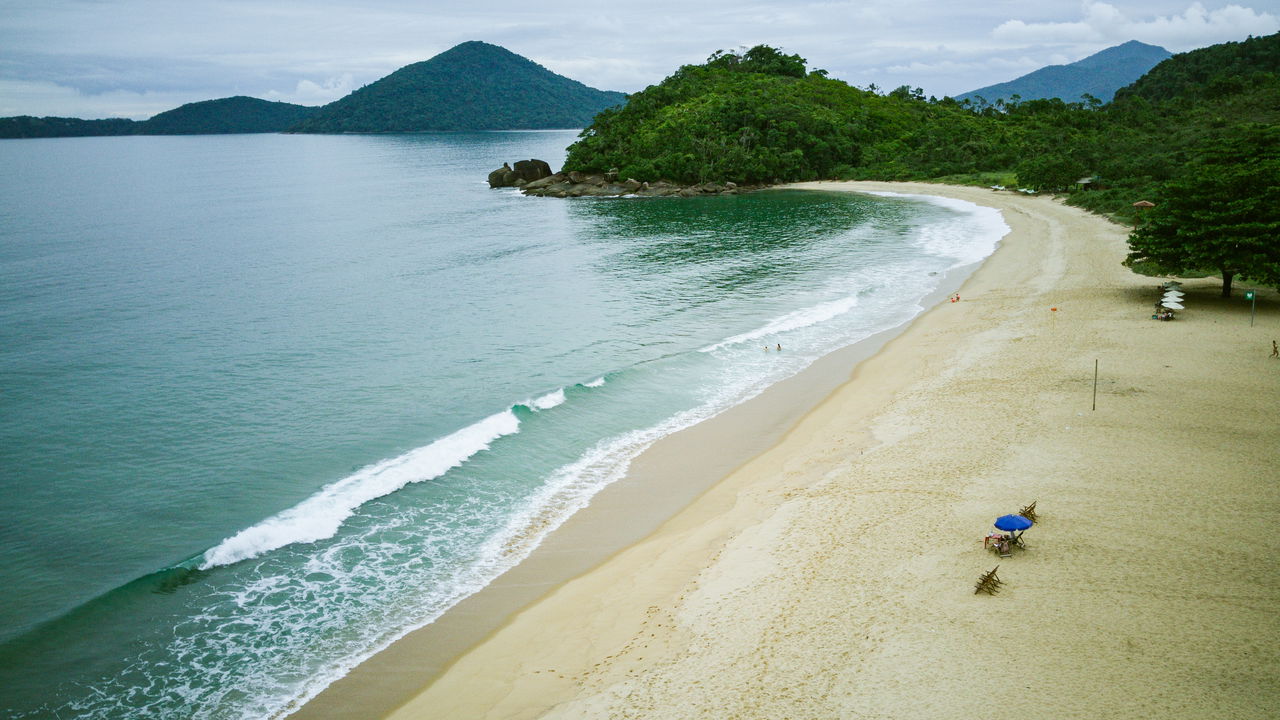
x: 270, y: 401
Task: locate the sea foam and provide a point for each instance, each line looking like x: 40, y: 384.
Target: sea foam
x: 319, y: 516
x: 548, y: 401
x: 968, y: 241
x: 795, y: 320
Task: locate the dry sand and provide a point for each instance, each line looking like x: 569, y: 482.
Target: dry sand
x: 832, y: 576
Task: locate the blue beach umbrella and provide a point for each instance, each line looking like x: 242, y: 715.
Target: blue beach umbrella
x: 1012, y: 523
x: 1015, y: 525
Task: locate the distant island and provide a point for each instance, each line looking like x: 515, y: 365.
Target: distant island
x: 472, y: 86
x: 1097, y: 76
x: 238, y: 114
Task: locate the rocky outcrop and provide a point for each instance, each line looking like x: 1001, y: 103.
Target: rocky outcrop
x: 576, y: 184
x: 530, y: 170
x: 525, y: 171
x: 534, y: 177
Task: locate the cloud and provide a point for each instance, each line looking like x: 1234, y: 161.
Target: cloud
x: 38, y: 98
x: 1103, y: 23
x: 309, y: 92
x: 114, y: 58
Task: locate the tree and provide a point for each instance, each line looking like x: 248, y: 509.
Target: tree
x: 1049, y: 172
x: 759, y: 59
x: 1221, y: 214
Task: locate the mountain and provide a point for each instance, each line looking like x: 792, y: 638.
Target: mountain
x: 238, y: 114
x: 473, y: 86
x: 1099, y: 75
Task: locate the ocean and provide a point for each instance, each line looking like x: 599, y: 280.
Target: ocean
x: 270, y: 402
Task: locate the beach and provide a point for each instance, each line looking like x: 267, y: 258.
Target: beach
x: 832, y: 573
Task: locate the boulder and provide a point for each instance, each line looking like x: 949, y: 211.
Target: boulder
x: 530, y: 170
x: 548, y: 180
x: 498, y: 178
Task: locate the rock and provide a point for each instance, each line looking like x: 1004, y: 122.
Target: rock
x: 530, y: 170
x: 548, y: 180
x: 497, y: 178
x: 525, y: 171
x: 579, y: 184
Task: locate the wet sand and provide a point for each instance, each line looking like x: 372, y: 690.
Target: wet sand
x: 832, y: 575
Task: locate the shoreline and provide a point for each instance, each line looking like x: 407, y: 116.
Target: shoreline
x: 831, y: 575
x: 662, y: 481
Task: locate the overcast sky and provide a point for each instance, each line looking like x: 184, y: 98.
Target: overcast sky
x: 134, y: 58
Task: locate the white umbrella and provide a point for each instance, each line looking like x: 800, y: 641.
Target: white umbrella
x: 1172, y: 305
x: 1171, y: 295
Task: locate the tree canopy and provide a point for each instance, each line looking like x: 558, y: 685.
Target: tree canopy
x: 1222, y: 214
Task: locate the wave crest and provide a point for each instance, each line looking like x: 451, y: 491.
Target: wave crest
x: 319, y: 516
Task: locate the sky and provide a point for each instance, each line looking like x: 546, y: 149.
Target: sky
x: 135, y: 58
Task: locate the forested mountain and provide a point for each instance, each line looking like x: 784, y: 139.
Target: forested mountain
x: 238, y: 114
x: 1098, y: 75
x: 473, y: 86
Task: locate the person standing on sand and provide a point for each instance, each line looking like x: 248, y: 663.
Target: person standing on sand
x: 1275, y: 349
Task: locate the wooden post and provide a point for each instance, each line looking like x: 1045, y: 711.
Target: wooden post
x: 1095, y: 383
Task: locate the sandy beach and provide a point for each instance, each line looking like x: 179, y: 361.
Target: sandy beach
x: 832, y: 575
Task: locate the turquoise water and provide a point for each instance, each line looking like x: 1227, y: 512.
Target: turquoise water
x: 268, y: 402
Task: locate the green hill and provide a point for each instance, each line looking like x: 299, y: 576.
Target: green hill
x: 237, y: 114
x: 1098, y: 75
x: 473, y: 86
x: 760, y: 117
